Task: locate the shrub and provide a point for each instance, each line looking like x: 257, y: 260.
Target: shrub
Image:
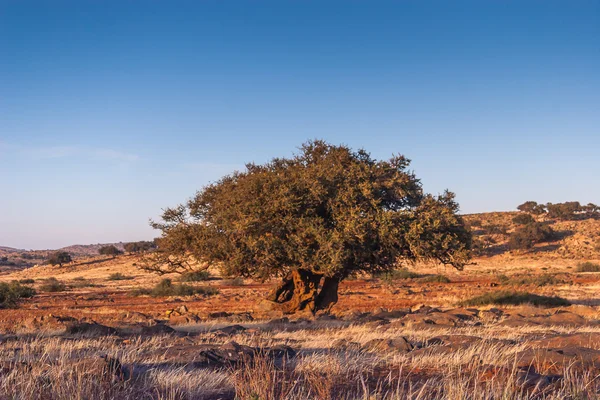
x: 117, y: 276
x: 53, y: 285
x: 139, y: 247
x: 11, y: 293
x: 109, y: 250
x: 238, y: 281
x: 496, y: 229
x: 398, y: 274
x: 195, y: 276
x: 527, y: 236
x: 588, y: 266
x: 532, y: 207
x: 166, y: 288
x: 515, y: 298
x: 523, y: 219
x: 436, y: 279
x: 79, y: 283
x: 27, y: 281
x: 564, y: 211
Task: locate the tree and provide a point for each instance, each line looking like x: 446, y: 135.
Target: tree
x: 523, y: 219
x: 312, y: 220
x: 532, y: 207
x: 564, y: 211
x: 59, y: 258
x: 109, y: 250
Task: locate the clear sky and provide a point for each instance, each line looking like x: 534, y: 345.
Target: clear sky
x: 112, y: 110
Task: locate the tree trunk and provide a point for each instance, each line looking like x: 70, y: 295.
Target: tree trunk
x: 328, y: 295
x: 300, y: 291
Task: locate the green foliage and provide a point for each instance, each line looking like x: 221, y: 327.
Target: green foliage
x: 532, y: 207
x: 515, y: 298
x: 327, y: 210
x: 11, y: 293
x: 564, y: 211
x: 436, y: 279
x: 397, y: 274
x: 59, y: 258
x: 523, y: 219
x: 139, y: 247
x: 53, y: 285
x: 117, y: 276
x: 109, y: 250
x: 195, y: 276
x: 588, y: 266
x: 525, y: 237
x: 166, y: 288
x: 496, y: 229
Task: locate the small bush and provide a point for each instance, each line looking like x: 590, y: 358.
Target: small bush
x: 588, y: 266
x: 436, y: 279
x: 53, y: 285
x: 11, y: 293
x: 239, y: 281
x: 527, y: 236
x: 523, y: 219
x: 195, y: 276
x: 398, y: 274
x: 166, y: 288
x: 117, y: 276
x: 515, y: 298
x: 27, y: 281
x: 79, y: 283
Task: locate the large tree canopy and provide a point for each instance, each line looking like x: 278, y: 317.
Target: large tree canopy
x: 321, y: 215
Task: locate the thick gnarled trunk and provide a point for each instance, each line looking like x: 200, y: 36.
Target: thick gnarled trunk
x: 299, y: 291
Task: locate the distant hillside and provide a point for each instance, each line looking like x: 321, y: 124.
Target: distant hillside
x: 85, y: 250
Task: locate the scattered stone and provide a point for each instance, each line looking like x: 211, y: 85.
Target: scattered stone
x: 229, y: 330
x: 157, y: 329
x: 90, y: 329
x: 399, y: 344
x: 343, y: 344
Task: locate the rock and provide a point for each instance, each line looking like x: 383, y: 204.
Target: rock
x: 228, y: 354
x: 101, y: 368
x: 456, y: 341
x: 90, y: 329
x: 465, y: 314
x: 554, y: 360
x: 157, y: 329
x: 399, y: 344
x: 219, y: 314
x: 424, y: 309
x: 281, y: 351
x: 392, y: 314
x: 241, y: 317
x: 279, y: 321
x: 584, y: 311
x: 589, y: 340
x: 517, y: 321
x: 528, y: 311
x: 563, y: 318
x: 178, y: 319
x: 343, y: 344
x: 229, y: 330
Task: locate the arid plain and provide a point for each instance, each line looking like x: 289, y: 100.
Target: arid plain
x: 96, y: 329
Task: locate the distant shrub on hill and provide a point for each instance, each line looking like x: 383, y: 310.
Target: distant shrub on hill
x: 523, y: 219
x: 27, y: 281
x: 11, y: 293
x: 109, y: 250
x: 532, y: 207
x: 529, y: 235
x: 588, y: 267
x: 139, y: 247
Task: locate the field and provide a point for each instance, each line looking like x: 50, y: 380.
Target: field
x: 98, y: 332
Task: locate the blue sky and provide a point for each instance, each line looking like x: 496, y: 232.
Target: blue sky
x: 112, y: 110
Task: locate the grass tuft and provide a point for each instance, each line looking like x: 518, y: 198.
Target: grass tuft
x: 11, y: 293
x: 166, y: 288
x: 117, y: 276
x: 194, y: 276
